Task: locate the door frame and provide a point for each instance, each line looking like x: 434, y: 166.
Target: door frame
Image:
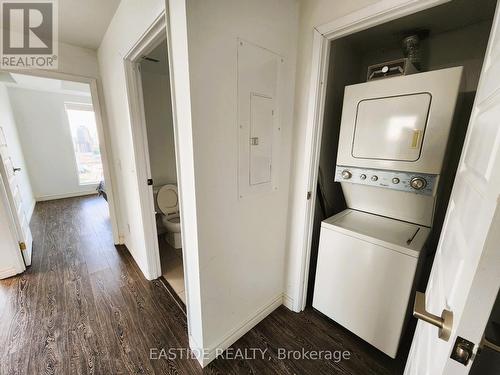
x: 155, y: 34
x: 102, y: 132
x: 170, y: 26
x: 370, y: 16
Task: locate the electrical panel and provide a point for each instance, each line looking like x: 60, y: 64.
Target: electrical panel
x: 259, y: 131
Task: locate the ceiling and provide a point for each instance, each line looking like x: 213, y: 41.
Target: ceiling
x: 84, y: 22
x: 25, y: 81
x: 437, y: 20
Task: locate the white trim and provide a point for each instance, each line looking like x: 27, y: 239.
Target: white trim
x: 148, y: 41
x: 210, y: 353
x: 104, y: 139
x: 197, y: 351
x: 108, y: 167
x: 178, y: 53
x: 376, y: 14
x: 51, y: 197
x: 73, y: 106
x: 175, y: 32
x: 321, y: 47
x: 288, y: 301
x: 8, y: 272
x: 373, y: 15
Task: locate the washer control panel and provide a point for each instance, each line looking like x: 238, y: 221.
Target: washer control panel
x: 419, y: 183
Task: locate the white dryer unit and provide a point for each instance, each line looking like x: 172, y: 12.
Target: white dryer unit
x: 365, y: 274
x: 393, y: 140
x: 399, y: 123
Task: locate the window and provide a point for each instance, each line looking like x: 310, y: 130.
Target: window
x: 83, y: 128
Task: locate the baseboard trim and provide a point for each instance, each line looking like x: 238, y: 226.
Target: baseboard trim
x: 44, y: 198
x: 121, y: 239
x: 8, y: 272
x: 236, y: 334
x: 196, y: 350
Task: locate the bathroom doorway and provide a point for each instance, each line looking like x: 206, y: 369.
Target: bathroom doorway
x: 154, y: 73
x: 153, y: 131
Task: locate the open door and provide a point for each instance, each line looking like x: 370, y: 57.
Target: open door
x: 8, y: 174
x: 465, y: 276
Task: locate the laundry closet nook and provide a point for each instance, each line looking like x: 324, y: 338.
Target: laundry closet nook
x: 398, y: 101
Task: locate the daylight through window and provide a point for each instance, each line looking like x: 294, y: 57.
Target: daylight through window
x: 85, y: 142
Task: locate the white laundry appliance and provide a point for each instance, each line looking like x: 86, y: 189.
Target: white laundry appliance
x: 393, y: 139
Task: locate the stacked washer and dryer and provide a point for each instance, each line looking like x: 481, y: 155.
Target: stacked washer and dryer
x: 393, y: 139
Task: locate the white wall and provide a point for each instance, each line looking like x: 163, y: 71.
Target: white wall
x: 131, y: 20
x: 83, y: 62
x: 8, y: 123
x: 78, y: 61
x: 312, y: 13
x: 241, y: 241
x: 160, y: 127
x: 45, y: 136
x: 440, y: 51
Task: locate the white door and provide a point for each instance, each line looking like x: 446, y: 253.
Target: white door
x: 8, y: 174
x: 465, y: 275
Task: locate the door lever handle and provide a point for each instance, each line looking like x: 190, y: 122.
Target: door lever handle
x: 485, y: 343
x: 16, y: 170
x: 443, y: 322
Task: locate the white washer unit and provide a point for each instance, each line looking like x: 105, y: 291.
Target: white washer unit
x: 365, y: 274
x: 393, y: 139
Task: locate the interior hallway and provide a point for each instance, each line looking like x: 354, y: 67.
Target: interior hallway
x: 84, y: 307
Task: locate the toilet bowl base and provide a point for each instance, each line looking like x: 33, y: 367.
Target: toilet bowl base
x: 174, y: 240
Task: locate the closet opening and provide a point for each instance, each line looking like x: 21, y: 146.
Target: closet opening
x: 398, y: 101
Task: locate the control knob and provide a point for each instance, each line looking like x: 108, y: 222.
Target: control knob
x: 346, y: 174
x: 374, y: 178
x: 418, y: 183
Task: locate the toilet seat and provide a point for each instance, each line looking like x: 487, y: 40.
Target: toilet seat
x: 167, y: 200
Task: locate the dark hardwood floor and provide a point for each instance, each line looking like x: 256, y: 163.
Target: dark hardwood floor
x: 84, y: 307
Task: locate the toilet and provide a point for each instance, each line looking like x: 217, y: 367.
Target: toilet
x: 168, y: 220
